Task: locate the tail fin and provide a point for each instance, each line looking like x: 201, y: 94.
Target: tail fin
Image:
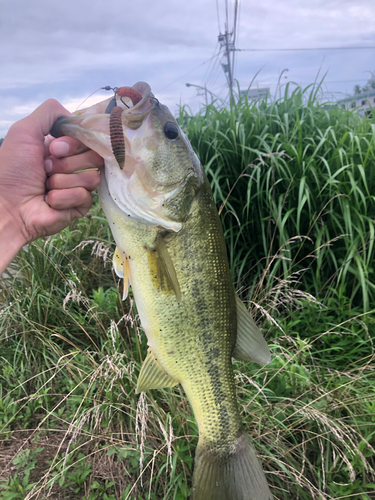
x: 238, y: 476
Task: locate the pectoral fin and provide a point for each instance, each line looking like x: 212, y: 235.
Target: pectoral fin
x: 162, y: 269
x: 250, y: 344
x: 121, y: 267
x: 153, y: 375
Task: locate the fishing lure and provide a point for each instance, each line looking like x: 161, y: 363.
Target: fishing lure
x: 117, y: 136
x: 115, y: 123
x: 133, y: 94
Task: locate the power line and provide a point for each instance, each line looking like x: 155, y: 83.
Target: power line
x: 218, y: 16
x: 312, y: 48
x: 343, y: 81
x: 216, y: 67
x: 324, y: 82
x: 216, y: 72
x: 211, y: 66
x: 188, y: 73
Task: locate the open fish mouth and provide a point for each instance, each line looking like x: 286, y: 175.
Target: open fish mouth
x: 121, y: 129
x: 108, y: 127
x: 135, y: 103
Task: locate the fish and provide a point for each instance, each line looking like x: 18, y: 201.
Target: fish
x: 170, y: 249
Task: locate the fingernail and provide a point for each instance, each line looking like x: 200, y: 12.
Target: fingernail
x: 60, y: 148
x: 48, y: 165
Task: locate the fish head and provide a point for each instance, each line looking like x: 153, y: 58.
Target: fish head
x: 151, y: 171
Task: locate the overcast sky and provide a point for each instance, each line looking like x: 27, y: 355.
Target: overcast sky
x: 67, y: 49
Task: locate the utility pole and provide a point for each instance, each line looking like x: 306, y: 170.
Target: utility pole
x: 226, y: 42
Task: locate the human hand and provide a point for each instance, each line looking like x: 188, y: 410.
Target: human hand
x: 39, y: 192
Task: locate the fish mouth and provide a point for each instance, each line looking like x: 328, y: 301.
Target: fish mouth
x: 126, y: 181
x: 136, y: 103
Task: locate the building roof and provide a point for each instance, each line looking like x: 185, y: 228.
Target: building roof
x: 362, y: 95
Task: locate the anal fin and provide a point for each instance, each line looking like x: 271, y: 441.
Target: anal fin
x: 153, y: 375
x: 250, y: 344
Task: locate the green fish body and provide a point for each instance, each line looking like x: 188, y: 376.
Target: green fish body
x: 171, y: 250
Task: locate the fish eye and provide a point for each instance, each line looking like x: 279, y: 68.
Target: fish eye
x: 171, y: 131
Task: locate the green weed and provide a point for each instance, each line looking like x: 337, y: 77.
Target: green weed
x: 292, y: 179
x: 293, y: 168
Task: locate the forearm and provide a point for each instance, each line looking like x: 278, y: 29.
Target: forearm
x: 11, y: 240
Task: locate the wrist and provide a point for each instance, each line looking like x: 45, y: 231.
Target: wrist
x: 12, y: 239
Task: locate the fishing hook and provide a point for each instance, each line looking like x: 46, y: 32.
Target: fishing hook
x: 115, y: 123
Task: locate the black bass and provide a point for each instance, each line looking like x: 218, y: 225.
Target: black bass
x: 171, y: 250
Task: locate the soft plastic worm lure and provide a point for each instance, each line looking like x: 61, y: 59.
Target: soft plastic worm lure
x: 133, y: 94
x: 115, y: 122
x: 117, y: 136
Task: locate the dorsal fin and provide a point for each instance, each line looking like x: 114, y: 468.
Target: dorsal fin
x: 250, y: 344
x: 153, y: 375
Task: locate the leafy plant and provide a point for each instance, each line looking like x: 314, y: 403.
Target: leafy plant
x: 17, y: 485
x: 295, y: 181
x: 292, y: 179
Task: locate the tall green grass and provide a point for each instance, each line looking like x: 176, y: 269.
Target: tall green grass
x: 71, y: 425
x: 290, y: 169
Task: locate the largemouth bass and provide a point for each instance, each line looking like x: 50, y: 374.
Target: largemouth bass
x: 171, y: 250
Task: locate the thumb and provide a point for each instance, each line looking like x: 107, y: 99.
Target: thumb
x: 39, y: 122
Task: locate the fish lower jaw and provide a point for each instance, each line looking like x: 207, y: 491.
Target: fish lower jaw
x: 125, y: 193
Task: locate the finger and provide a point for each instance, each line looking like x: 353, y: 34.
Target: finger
x: 40, y: 121
x: 70, y: 164
x: 88, y: 179
x: 66, y: 146
x: 63, y: 199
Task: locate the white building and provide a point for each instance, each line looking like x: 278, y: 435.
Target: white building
x: 256, y: 94
x: 362, y: 103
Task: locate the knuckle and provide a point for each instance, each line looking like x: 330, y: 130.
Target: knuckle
x: 82, y: 195
x: 62, y: 164
x: 54, y: 106
x: 52, y: 198
x: 75, y: 146
x: 94, y: 159
x: 93, y: 180
x: 52, y: 102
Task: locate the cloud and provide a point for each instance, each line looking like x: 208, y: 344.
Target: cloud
x: 69, y: 49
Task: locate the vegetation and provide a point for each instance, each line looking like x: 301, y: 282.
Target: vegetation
x: 369, y: 85
x: 294, y: 183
